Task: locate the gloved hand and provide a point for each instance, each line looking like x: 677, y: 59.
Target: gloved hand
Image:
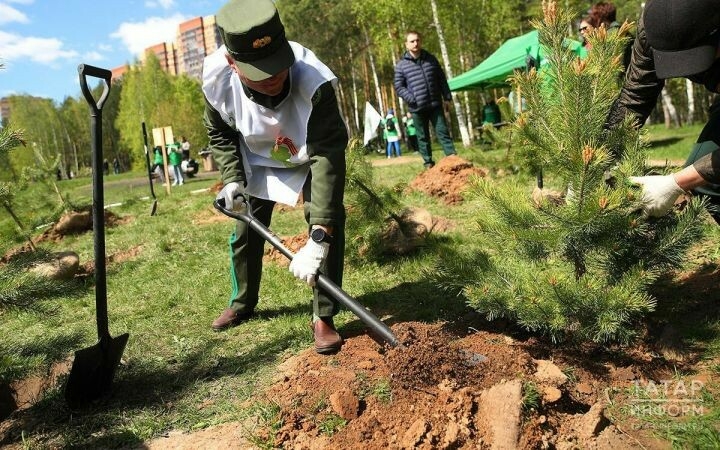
x: 232, y: 194
x: 308, y: 260
x: 659, y: 193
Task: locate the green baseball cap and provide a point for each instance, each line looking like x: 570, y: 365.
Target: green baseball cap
x: 255, y: 37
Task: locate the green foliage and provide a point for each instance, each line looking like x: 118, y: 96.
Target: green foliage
x: 370, y: 206
x: 580, y: 266
x: 159, y: 99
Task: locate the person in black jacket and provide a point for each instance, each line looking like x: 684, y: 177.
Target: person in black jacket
x: 675, y: 38
x: 421, y: 82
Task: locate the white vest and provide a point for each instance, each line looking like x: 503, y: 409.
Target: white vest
x: 274, y: 141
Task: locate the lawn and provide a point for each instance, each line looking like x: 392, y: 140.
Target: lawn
x: 169, y: 279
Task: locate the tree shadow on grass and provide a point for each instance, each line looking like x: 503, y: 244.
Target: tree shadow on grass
x: 664, y: 142
x: 687, y: 317
x: 146, y: 385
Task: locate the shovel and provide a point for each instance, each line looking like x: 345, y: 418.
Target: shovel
x: 321, y: 280
x: 153, y: 209
x: 94, y: 367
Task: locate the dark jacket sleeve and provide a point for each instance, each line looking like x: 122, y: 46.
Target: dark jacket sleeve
x: 709, y: 167
x: 641, y: 87
x: 224, y: 146
x: 327, y: 140
x: 400, y: 82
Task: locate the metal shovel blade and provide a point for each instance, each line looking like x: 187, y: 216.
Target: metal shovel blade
x: 93, y: 371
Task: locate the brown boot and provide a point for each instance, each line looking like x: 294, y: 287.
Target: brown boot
x: 327, y: 339
x: 230, y: 318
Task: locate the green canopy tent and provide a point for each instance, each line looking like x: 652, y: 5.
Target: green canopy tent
x: 512, y: 55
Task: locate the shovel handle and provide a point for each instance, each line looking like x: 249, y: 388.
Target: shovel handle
x: 147, y: 159
x: 322, y: 281
x: 86, y: 70
x: 98, y: 209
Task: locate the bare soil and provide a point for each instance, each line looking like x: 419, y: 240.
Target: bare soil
x: 448, y: 179
x: 452, y: 385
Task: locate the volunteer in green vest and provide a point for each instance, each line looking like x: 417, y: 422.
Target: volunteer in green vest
x: 175, y: 159
x: 391, y: 133
x: 410, y: 131
x: 276, y: 131
x: 158, y: 166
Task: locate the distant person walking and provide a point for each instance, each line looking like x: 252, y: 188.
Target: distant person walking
x: 175, y: 158
x: 391, y: 133
x: 158, y: 166
x: 421, y: 82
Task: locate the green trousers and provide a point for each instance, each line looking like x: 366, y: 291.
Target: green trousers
x: 422, y: 120
x: 246, y: 260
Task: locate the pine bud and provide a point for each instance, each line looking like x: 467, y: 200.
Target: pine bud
x: 603, y: 202
x: 553, y: 281
x: 633, y: 223
x: 579, y: 66
x: 625, y: 28
x: 549, y: 9
x: 587, y: 154
x: 601, y: 32
x: 521, y: 121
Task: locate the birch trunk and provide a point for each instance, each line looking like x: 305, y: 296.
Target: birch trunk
x: 690, y: 91
x: 378, y: 94
x: 669, y: 110
x: 448, y: 72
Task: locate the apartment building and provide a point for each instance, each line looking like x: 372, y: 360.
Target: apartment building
x: 4, y: 108
x: 195, y: 39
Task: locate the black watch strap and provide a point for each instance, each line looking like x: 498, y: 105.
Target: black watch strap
x: 319, y: 235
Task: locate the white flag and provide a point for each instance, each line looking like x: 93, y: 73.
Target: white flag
x: 372, y: 121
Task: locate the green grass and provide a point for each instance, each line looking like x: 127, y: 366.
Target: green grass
x: 672, y: 144
x: 177, y: 374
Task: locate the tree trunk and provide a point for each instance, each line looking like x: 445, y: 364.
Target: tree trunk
x: 466, y: 102
x: 690, y: 91
x: 448, y: 71
x: 378, y: 94
x: 356, y: 114
x: 669, y: 110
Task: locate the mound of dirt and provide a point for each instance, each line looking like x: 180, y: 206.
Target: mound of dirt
x: 448, y: 179
x: 417, y: 224
x: 438, y: 391
x: 74, y: 222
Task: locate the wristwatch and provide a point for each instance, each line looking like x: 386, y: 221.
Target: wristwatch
x: 319, y: 235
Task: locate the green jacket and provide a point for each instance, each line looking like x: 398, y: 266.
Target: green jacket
x: 396, y: 130
x: 157, y: 156
x: 327, y: 139
x: 409, y: 126
x: 174, y: 155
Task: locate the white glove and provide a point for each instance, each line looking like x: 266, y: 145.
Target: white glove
x: 659, y: 193
x: 308, y: 260
x: 232, y: 194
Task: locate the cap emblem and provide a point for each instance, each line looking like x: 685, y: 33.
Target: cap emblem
x: 262, y: 42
